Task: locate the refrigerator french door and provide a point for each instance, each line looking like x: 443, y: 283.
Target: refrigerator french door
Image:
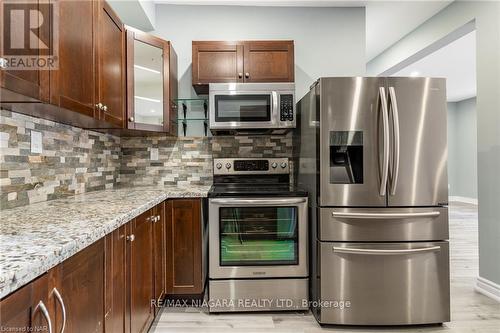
x: 380, y: 222
x: 383, y: 142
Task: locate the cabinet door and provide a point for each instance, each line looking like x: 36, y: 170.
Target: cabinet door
x: 148, y: 82
x: 184, y: 255
x: 114, y: 281
x: 23, y: 311
x: 269, y: 61
x: 26, y: 84
x: 81, y: 287
x: 111, y: 65
x: 141, y: 273
x: 73, y: 85
x: 217, y: 62
x: 159, y: 249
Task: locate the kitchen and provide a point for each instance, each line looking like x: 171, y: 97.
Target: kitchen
x: 122, y: 195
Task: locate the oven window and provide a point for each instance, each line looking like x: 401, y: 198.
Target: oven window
x: 251, y: 236
x: 242, y: 108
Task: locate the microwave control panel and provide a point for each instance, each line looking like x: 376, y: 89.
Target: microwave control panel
x: 286, y: 107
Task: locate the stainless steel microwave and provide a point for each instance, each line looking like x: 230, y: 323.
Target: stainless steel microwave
x: 252, y: 107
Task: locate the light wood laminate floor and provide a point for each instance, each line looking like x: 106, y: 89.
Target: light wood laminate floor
x: 471, y: 312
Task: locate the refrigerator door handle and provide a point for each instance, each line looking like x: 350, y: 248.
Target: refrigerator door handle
x: 397, y: 140
x: 385, y: 124
x: 349, y: 250
x: 384, y: 215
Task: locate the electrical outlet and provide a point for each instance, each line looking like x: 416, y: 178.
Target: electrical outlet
x: 154, y: 154
x: 36, y: 142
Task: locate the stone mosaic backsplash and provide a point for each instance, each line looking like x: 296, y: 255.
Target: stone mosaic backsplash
x: 189, y: 160
x: 74, y: 160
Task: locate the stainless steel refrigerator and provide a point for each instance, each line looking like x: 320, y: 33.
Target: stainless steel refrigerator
x: 373, y: 156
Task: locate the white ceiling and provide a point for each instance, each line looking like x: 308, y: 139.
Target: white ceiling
x: 386, y: 21
x: 456, y: 62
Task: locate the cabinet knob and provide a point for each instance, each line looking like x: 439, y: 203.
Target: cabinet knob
x: 247, y: 75
x: 99, y: 106
x: 131, y: 238
x: 104, y: 108
x: 131, y: 119
x: 240, y: 75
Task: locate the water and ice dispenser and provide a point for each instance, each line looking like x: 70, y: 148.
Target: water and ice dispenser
x: 346, y: 157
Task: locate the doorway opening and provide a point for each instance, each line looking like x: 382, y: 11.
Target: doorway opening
x: 454, y: 58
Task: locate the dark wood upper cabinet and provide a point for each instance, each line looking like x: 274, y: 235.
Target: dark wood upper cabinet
x: 115, y: 295
x: 151, y: 83
x: 110, y: 66
x: 241, y: 61
x: 141, y: 272
x: 184, y: 247
x: 73, y: 85
x: 216, y: 62
x: 23, y: 311
x: 27, y: 85
x: 87, y: 89
x: 269, y: 61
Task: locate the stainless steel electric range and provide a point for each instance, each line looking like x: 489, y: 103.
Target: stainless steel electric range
x: 258, y: 241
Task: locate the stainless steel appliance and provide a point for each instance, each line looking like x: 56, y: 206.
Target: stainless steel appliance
x: 242, y: 108
x: 373, y: 155
x: 258, y: 237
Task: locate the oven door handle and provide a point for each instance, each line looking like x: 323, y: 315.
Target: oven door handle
x: 260, y: 202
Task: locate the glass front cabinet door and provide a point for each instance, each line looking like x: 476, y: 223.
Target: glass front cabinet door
x: 151, y: 83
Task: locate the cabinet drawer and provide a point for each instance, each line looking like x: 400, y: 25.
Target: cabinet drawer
x: 385, y: 283
x: 383, y: 224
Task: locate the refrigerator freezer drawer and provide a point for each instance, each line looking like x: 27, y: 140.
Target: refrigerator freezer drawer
x: 383, y: 224
x: 384, y: 283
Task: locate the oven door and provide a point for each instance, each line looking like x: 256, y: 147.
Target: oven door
x: 243, y: 110
x: 257, y: 238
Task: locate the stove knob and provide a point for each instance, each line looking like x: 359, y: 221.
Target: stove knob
x: 274, y: 165
x: 283, y: 165
x: 228, y: 166
x: 218, y: 165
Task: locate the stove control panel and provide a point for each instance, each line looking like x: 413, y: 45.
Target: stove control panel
x: 243, y: 166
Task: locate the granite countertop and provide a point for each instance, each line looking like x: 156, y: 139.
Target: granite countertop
x: 37, y: 237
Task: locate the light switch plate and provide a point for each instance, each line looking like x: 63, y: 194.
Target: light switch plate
x: 36, y: 142
x: 154, y: 154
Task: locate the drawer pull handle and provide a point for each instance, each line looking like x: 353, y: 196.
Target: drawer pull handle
x: 349, y: 250
x: 43, y: 309
x: 63, y: 307
x: 384, y: 215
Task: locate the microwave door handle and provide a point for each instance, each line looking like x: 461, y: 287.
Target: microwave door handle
x: 274, y: 107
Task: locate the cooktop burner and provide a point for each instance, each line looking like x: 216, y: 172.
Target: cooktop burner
x: 253, y: 177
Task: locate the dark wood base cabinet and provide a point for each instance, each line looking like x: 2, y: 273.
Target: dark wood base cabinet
x: 116, y: 284
x: 69, y: 296
x: 184, y: 247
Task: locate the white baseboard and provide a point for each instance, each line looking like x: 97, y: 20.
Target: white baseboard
x: 488, y: 288
x: 472, y: 201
